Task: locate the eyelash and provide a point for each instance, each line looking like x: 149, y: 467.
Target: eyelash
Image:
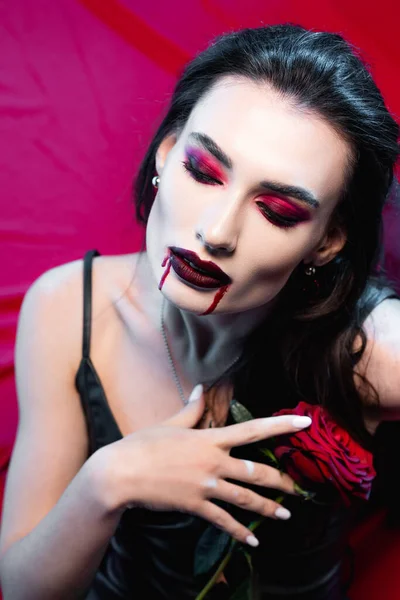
x: 276, y: 218
x: 199, y: 175
x: 272, y: 216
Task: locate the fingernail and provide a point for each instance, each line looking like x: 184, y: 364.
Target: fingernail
x: 252, y: 541
x: 300, y: 422
x: 196, y: 393
x: 282, y: 513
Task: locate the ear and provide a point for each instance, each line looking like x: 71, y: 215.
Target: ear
x: 329, y: 247
x: 163, y: 150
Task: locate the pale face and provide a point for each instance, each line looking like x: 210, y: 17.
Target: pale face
x: 240, y: 203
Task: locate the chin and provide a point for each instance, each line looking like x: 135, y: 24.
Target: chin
x: 187, y: 298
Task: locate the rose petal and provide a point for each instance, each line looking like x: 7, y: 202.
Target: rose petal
x: 326, y: 452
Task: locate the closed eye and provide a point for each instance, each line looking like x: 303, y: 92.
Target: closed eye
x: 198, y: 175
x: 276, y: 218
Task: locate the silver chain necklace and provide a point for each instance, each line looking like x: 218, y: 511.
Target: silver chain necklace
x: 172, y: 364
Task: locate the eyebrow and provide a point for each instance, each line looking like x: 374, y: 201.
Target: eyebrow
x: 293, y: 191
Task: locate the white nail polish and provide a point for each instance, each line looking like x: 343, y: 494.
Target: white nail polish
x: 196, y: 393
x: 301, y: 422
x: 282, y: 513
x: 252, y: 541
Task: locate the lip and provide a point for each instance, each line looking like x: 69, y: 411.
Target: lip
x: 189, y: 267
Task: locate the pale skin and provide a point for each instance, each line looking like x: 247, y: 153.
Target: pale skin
x: 47, y: 494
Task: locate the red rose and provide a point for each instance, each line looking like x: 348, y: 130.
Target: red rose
x: 325, y: 453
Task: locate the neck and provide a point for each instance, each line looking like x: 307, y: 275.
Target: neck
x: 207, y: 336
x: 202, y: 347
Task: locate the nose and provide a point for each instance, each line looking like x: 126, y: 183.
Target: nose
x: 219, y: 229
x: 220, y: 250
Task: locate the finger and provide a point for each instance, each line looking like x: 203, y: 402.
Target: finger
x: 223, y: 520
x: 249, y: 500
x: 191, y: 413
x: 258, y: 429
x: 257, y: 474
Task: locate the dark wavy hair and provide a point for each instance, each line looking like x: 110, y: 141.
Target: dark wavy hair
x: 310, y: 349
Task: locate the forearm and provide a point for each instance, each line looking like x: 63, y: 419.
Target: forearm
x: 59, y: 557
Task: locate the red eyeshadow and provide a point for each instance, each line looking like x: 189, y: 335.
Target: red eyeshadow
x: 285, y: 208
x: 205, y: 163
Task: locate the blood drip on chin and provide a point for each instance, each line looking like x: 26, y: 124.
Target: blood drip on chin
x: 217, y: 299
x: 166, y: 272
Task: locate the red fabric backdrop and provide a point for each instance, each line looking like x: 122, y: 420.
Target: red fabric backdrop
x: 82, y: 84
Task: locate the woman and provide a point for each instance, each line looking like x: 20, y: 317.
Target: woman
x: 270, y: 172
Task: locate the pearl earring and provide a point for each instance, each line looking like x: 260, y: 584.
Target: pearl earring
x: 310, y: 270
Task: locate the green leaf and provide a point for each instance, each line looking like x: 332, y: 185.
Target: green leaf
x: 269, y: 454
x: 210, y: 549
x: 254, y: 524
x: 239, y: 412
x: 304, y: 493
x: 243, y: 592
x: 249, y: 561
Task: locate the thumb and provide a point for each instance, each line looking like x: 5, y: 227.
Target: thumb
x: 192, y: 412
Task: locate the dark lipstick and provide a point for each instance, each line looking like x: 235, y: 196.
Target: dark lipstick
x: 189, y: 267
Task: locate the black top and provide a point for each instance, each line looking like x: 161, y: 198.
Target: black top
x: 150, y: 556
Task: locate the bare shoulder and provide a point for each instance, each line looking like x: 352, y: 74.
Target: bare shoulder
x: 50, y: 330
x: 380, y: 364
x: 51, y: 305
x: 50, y: 326
x: 52, y: 442
x: 55, y: 299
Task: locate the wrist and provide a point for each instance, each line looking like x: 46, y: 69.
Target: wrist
x: 104, y: 481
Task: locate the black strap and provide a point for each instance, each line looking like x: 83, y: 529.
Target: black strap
x: 87, y: 301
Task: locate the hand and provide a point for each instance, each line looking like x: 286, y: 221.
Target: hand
x: 175, y: 467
